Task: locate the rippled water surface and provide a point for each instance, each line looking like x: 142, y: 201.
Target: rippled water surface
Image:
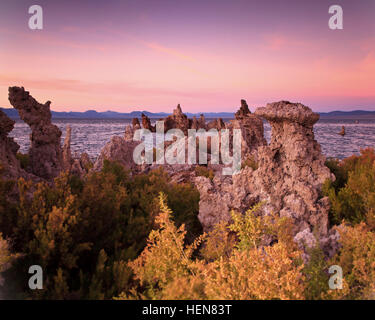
x: 91, y: 135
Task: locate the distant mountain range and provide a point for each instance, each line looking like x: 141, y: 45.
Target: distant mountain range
x: 92, y: 114
x: 357, y: 114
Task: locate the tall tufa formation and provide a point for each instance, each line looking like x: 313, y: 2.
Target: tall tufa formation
x: 292, y: 169
x: 289, y: 178
x: 45, y: 153
x: 243, y: 111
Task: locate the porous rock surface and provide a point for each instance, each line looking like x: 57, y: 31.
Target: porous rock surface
x: 120, y: 149
x: 289, y: 178
x: 45, y: 153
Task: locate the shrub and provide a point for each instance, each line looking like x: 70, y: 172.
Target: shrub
x: 340, y: 172
x: 219, y: 243
x: 254, y: 231
x: 250, y: 162
x: 5, y: 257
x: 165, y: 257
x: 204, y: 172
x: 24, y: 160
x: 357, y: 259
x: 84, y: 231
x: 8, y: 210
x: 272, y: 272
x: 316, y: 273
x: 352, y: 196
x: 167, y: 268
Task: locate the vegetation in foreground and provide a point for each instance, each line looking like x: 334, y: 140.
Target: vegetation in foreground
x: 116, y: 236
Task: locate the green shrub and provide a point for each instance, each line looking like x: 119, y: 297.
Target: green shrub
x: 202, y: 171
x: 250, y: 162
x: 83, y: 231
x: 316, y: 274
x: 24, y: 160
x: 352, y: 195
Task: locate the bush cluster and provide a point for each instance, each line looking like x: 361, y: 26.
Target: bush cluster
x: 83, y: 232
x: 114, y: 235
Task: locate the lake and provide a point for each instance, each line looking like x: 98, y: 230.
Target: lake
x: 90, y: 135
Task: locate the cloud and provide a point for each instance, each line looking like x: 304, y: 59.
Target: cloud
x: 110, y: 88
x: 277, y: 42
x: 172, y: 52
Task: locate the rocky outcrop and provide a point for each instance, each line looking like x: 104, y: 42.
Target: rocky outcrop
x: 198, y: 123
x: 217, y: 124
x: 66, y: 152
x: 135, y: 123
x: 129, y: 132
x: 10, y: 166
x: 146, y: 123
x: 202, y: 122
x: 252, y: 131
x: 243, y: 112
x: 79, y: 165
x: 120, y: 150
x: 85, y: 162
x: 45, y: 153
x: 177, y: 120
x: 194, y: 123
x: 292, y: 170
x: 250, y: 125
x: 222, y: 194
x: 289, y: 178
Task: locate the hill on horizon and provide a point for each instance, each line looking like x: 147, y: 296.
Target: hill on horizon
x: 92, y: 114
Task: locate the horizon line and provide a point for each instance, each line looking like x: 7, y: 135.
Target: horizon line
x: 187, y: 112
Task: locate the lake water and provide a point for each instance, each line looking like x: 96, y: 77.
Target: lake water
x: 91, y: 135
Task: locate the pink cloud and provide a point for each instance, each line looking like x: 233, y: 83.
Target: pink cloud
x: 277, y: 42
x: 169, y: 51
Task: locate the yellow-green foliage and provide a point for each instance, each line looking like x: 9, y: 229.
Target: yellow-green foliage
x: 5, y: 256
x: 165, y: 257
x: 252, y: 230
x: 250, y: 162
x: 23, y: 159
x: 250, y: 269
x: 357, y: 259
x: 83, y: 232
x: 255, y: 270
x: 204, y: 172
x: 316, y: 273
x: 219, y: 242
x: 272, y: 272
x: 352, y: 196
x: 90, y: 237
x: 168, y: 269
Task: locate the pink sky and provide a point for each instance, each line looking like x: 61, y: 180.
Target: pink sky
x: 137, y: 55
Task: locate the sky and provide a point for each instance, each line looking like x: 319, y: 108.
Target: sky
x: 206, y: 55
